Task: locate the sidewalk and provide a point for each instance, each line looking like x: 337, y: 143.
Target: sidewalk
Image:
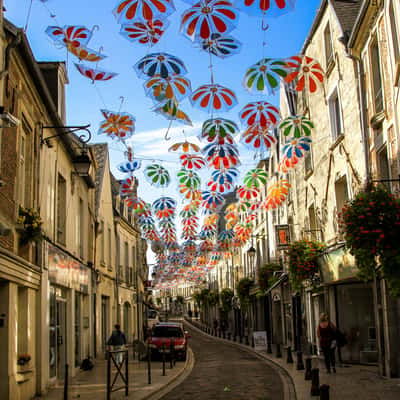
x: 351, y: 382
x: 90, y: 385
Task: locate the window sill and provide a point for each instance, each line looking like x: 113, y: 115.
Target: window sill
x: 377, y: 120
x: 336, y: 143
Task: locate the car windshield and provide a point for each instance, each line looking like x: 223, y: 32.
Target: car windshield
x: 167, y: 331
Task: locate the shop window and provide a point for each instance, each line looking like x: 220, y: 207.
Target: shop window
x: 328, y: 46
x: 377, y: 89
x: 335, y: 115
x: 52, y: 332
x: 77, y: 326
x: 61, y: 209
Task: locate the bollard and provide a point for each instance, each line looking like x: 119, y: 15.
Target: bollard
x: 315, y: 382
x: 289, y: 358
x: 240, y: 339
x: 300, y: 364
x: 269, y: 348
x: 108, y: 376
x: 163, y: 360
x: 247, y: 340
x: 66, y: 383
x: 171, y: 354
x: 148, y: 364
x: 278, y: 351
x: 229, y: 336
x: 126, y: 373
x: 223, y: 334
x: 324, y: 392
x: 307, y: 375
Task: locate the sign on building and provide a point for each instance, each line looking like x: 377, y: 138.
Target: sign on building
x: 260, y: 340
x: 282, y: 236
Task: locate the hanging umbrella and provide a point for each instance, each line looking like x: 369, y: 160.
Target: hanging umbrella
x: 189, y: 193
x: 70, y: 36
x: 296, y: 147
x: 296, y: 126
x: 164, y: 203
x: 265, y: 75
x: 213, y: 97
x: 189, y: 178
x: 147, y: 32
x: 260, y: 112
x: 157, y: 175
x: 256, y: 178
x: 187, y: 212
x: 128, y: 11
x: 221, y: 156
x: 172, y: 87
x: 223, y: 180
x: 276, y: 194
x: 95, y: 74
x: 287, y: 163
x: 162, y: 64
x: 269, y: 8
x: 128, y: 187
x: 86, y: 54
x: 221, y: 45
x: 246, y: 193
x: 129, y: 166
x: 136, y: 204
x: 212, y: 199
x: 184, y: 147
x: 207, y: 17
x: 219, y: 129
x: 190, y: 161
x: 171, y: 112
x: 117, y: 125
x: 258, y: 137
x: 307, y: 71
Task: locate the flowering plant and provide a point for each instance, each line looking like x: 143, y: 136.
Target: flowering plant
x: 265, y: 275
x: 243, y: 289
x: 302, y: 260
x: 226, y: 299
x: 23, y: 359
x: 371, y: 225
x: 31, y: 221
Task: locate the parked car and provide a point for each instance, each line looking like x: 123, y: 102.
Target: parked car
x: 161, y: 336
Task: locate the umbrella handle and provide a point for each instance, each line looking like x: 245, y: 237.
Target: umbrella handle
x: 166, y: 137
x: 264, y: 25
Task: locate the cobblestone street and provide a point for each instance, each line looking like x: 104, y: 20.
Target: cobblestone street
x: 222, y: 371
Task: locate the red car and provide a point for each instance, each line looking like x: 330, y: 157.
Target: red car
x: 163, y: 333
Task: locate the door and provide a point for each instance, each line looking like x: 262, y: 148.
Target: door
x: 60, y: 338
x: 104, y: 322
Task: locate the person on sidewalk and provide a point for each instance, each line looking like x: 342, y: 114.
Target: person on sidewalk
x: 118, y: 341
x: 326, y: 333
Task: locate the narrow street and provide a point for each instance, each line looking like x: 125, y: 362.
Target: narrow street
x: 224, y: 371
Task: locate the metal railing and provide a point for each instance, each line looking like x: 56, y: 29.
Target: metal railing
x: 115, y: 356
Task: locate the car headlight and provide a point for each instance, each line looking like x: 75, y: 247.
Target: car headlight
x: 179, y: 347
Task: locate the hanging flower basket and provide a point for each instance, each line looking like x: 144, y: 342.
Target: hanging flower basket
x: 265, y: 275
x: 243, y: 290
x: 29, y: 224
x: 371, y: 225
x: 303, y: 256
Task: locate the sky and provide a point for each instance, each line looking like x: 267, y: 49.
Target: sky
x: 84, y: 100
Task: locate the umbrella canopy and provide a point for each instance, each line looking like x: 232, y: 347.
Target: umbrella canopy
x: 213, y: 97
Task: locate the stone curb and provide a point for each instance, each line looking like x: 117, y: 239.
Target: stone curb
x: 175, y: 381
x: 289, y: 387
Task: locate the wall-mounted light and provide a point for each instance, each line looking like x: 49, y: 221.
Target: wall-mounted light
x: 8, y: 120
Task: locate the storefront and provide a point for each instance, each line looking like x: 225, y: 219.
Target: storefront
x: 69, y: 312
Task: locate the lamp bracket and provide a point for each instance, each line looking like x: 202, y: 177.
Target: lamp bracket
x: 83, y: 138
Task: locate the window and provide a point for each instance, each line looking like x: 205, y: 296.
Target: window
x: 24, y: 170
x: 335, y: 115
x: 61, y: 209
x: 79, y: 227
x: 127, y: 273
x: 109, y: 248
x: 134, y: 265
x: 395, y: 32
x: 21, y: 175
x: 312, y: 223
x: 328, y: 46
x: 377, y: 91
x: 383, y: 166
x: 341, y: 193
x: 102, y: 245
x: 308, y: 162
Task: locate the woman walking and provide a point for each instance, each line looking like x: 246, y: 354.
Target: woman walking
x: 326, y: 333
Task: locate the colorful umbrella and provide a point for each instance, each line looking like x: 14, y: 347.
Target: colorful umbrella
x: 190, y: 161
x: 70, y: 36
x: 128, y: 11
x: 189, y: 193
x: 187, y: 211
x: 136, y: 204
x: 296, y: 126
x: 221, y: 156
x: 172, y: 87
x: 307, y: 71
x: 269, y: 8
x: 147, y: 32
x: 86, y: 54
x: 213, y: 97
x: 287, y: 163
x: 221, y: 46
x: 265, y: 75
x: 171, y: 112
x: 212, y: 199
x: 246, y: 193
x: 255, y: 178
x: 95, y: 74
x: 117, y: 125
x: 128, y: 187
x: 207, y: 17
x: 157, y: 175
x: 296, y: 147
x: 259, y: 112
x: 129, y: 166
x: 184, y: 147
x: 259, y: 137
x: 223, y: 180
x: 276, y: 194
x: 188, y: 178
x: 219, y: 129
x: 162, y: 64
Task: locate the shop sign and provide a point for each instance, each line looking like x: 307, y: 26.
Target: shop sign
x: 260, y: 340
x: 336, y: 265
x: 66, y: 271
x: 282, y: 236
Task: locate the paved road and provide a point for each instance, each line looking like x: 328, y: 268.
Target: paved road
x: 224, y: 371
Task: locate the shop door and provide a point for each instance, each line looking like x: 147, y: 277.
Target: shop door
x: 61, y: 338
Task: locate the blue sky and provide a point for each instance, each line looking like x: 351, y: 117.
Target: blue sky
x: 284, y: 38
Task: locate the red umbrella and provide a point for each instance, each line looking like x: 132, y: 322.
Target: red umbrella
x: 213, y: 98
x: 259, y: 112
x: 147, y: 32
x: 95, y: 74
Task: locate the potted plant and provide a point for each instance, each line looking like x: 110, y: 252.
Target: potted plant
x: 29, y: 224
x: 265, y: 275
x: 303, y: 265
x: 371, y: 225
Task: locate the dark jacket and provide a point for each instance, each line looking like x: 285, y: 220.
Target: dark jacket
x: 326, y: 335
x: 117, y: 338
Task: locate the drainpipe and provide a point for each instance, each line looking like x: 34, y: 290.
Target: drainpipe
x: 7, y: 56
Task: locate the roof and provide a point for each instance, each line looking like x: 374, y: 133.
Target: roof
x: 101, y: 154
x: 346, y: 12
